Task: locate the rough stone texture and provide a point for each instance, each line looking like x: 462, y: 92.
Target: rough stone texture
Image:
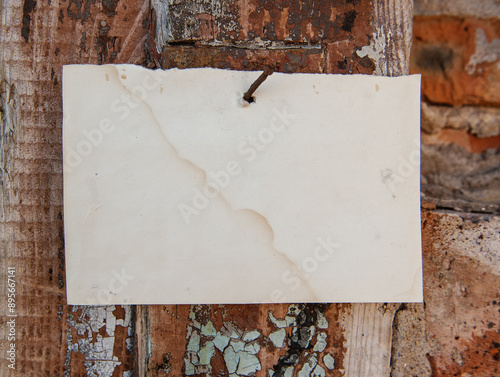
x: 455, y: 179
x: 456, y: 332
x: 461, y: 266
x: 482, y: 122
x: 460, y: 8
x: 458, y: 59
x: 462, y: 138
x: 409, y: 343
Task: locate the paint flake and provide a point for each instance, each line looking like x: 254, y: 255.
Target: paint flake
x: 194, y: 342
x: 99, y: 359
x: 206, y: 353
x: 308, y: 366
x: 221, y: 341
x: 321, y: 322
x: 252, y: 348
x: 278, y: 338
x: 251, y: 335
x: 232, y: 359
x: 208, y: 329
x: 248, y: 364
x: 318, y: 372
x: 237, y: 345
x: 320, y: 342
x: 485, y: 52
x: 329, y: 361
x: 279, y: 323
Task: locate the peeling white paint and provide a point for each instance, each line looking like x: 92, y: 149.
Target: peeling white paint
x: 486, y: 52
x: 318, y: 371
x: 321, y: 322
x: 238, y: 345
x: 304, y: 336
x: 162, y: 33
x: 189, y: 368
x: 279, y: 323
x: 252, y: 348
x: 206, y: 353
x: 375, y: 50
x: 289, y: 372
x: 99, y: 358
x: 194, y: 342
x: 239, y: 348
x: 290, y: 321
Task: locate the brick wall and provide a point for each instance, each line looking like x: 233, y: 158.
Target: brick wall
x: 456, y: 48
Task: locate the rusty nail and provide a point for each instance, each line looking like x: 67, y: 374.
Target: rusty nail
x: 268, y: 71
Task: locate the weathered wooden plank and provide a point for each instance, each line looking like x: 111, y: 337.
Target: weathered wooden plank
x: 331, y: 37
x: 36, y: 39
x: 368, y: 331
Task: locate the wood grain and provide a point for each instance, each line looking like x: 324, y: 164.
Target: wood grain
x: 36, y: 39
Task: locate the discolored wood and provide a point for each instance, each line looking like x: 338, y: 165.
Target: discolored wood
x: 36, y: 39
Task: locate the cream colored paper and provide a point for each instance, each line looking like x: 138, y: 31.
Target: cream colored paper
x: 178, y: 191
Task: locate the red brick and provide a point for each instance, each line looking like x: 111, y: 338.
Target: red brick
x: 461, y: 294
x: 442, y: 51
x: 470, y: 142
